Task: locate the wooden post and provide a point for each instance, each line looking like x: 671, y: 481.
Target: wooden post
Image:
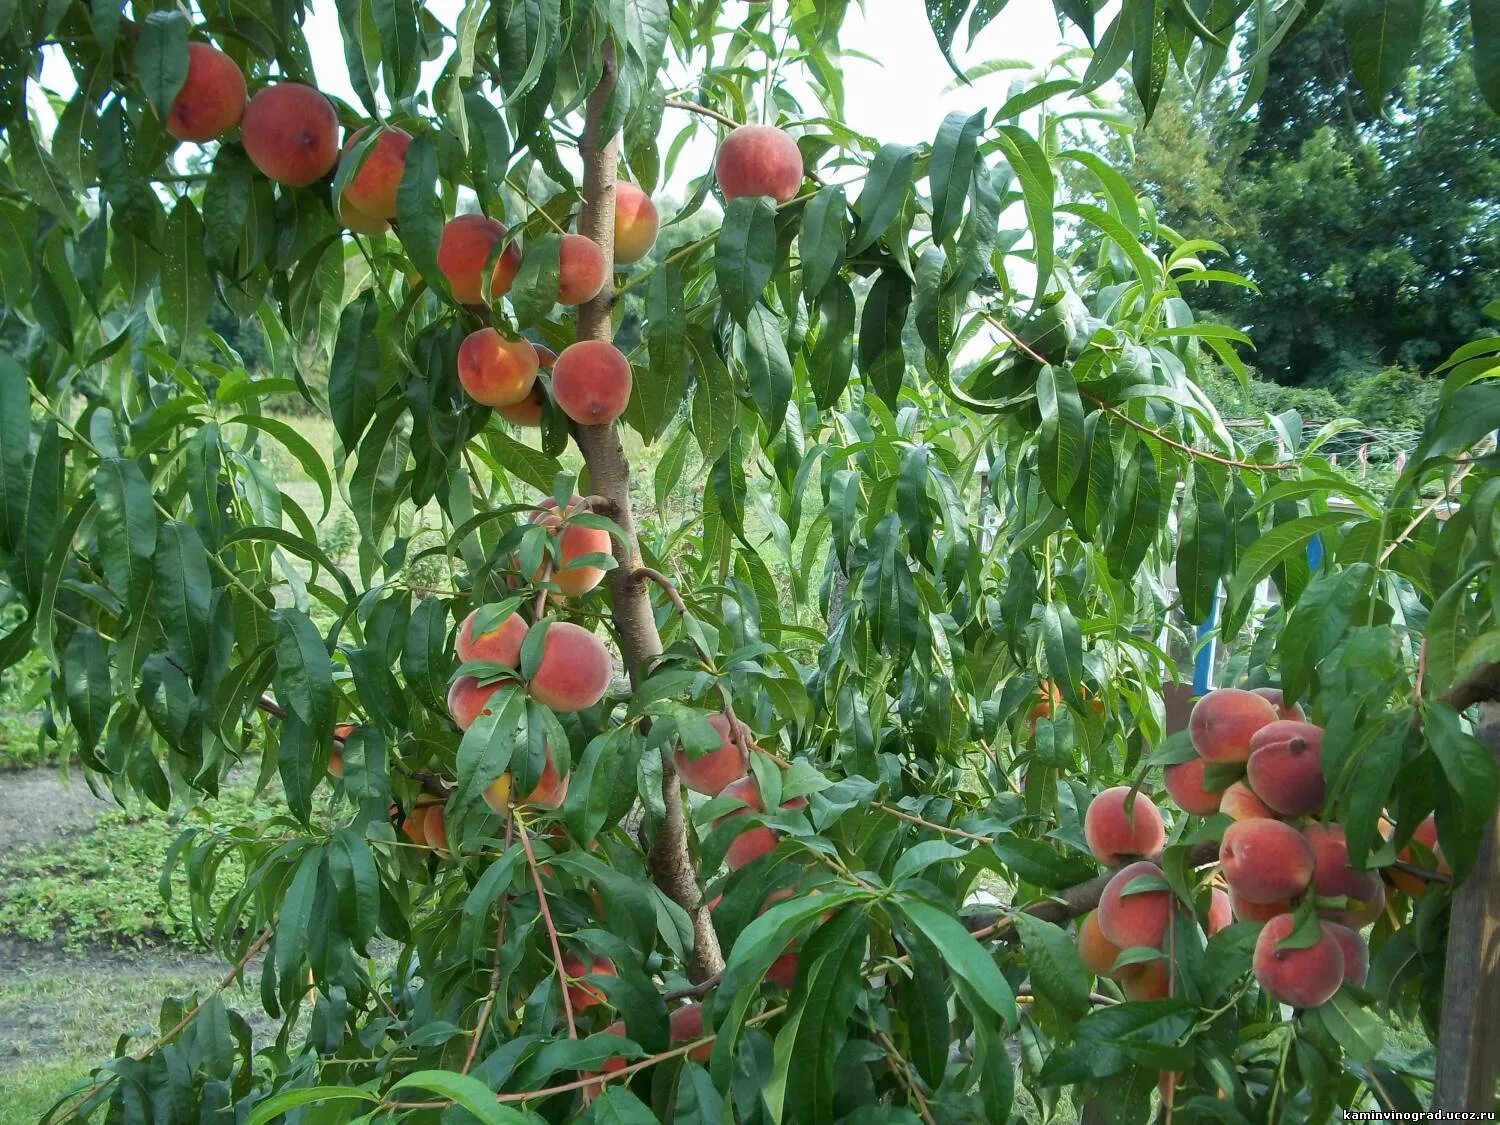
x: 1468, y: 1054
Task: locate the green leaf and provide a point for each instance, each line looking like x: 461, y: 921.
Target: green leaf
x: 354, y: 371
x: 825, y: 232
x: 126, y: 527
x: 534, y: 293
x: 745, y: 256
x: 1382, y: 37
x: 882, y: 353
x: 161, y: 58
x: 1029, y: 162
x: 468, y: 1092
x: 400, y: 46
x: 618, y: 1106
x: 182, y: 592
x: 304, y: 671
x: 965, y: 958
x: 352, y: 865
x: 921, y: 856
x: 832, y: 358
x: 419, y: 210
x: 1062, y: 641
x: 1057, y: 972
x: 884, y: 193
x: 767, y: 368
x: 952, y: 167
x: 276, y: 1105
x: 1284, y: 541
x: 185, y: 291
x: 1060, y: 440
x: 1468, y: 766
x: 657, y: 397
x: 713, y: 399
x: 1203, y: 542
x: 85, y: 668
x: 1484, y: 56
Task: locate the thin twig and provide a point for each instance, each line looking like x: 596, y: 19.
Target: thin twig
x: 929, y: 824
x: 557, y: 958
x: 694, y: 107
x: 897, y: 1062
x: 1427, y: 510
x: 665, y: 583
x: 695, y: 991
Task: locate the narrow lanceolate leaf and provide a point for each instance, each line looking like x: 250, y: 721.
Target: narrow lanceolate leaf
x: 825, y: 232
x: 304, y: 672
x: 185, y: 292
x: 1137, y: 514
x: 1484, y: 21
x: 354, y: 373
x: 1382, y: 37
x: 967, y: 960
x: 182, y: 591
x: 126, y: 527
x: 86, y: 676
x: 1281, y: 542
x: 882, y: 354
x: 15, y: 448
x: 952, y: 167
x: 1202, y: 545
x: 1062, y: 643
x: 657, y: 397
x: 746, y: 253
x: 161, y: 58
x: 1089, y: 500
x: 832, y: 358
x: 884, y: 193
x: 419, y: 210
x: 1032, y: 168
x: 807, y: 1048
x: 1060, y: 441
x: 767, y: 368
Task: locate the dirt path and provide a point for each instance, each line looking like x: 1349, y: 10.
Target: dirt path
x: 38, y: 805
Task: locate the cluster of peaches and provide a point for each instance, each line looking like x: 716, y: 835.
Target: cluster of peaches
x: 1270, y: 865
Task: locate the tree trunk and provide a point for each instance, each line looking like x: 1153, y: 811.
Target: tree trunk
x: 609, y: 476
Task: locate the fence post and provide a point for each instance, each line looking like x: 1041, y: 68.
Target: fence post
x: 1206, y: 647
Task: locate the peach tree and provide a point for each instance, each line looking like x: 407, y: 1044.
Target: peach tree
x: 756, y: 659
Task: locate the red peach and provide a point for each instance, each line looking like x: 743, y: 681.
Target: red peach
x: 574, y: 671
x: 1266, y: 860
x: 358, y: 222
x: 1220, y: 911
x: 372, y: 191
x: 1303, y: 978
x: 550, y: 792
x: 1224, y: 721
x: 1117, y: 827
x: 463, y: 249
x: 1277, y: 699
x: 527, y: 412
x: 758, y: 840
x: 1425, y: 835
x: 1333, y: 877
x: 685, y: 1024
x: 212, y: 98
x: 591, y: 382
x: 413, y: 827
x: 1356, y: 952
x: 1146, y: 980
x: 500, y: 642
x: 636, y: 223
x: 435, y: 830
x: 1241, y: 803
x: 582, y: 996
x: 711, y: 772
x: 759, y: 160
x: 1139, y: 918
x: 468, y: 699
x: 1184, y: 782
x: 783, y: 971
x: 496, y: 371
x: 1285, y: 768
x: 574, y: 542
x: 580, y: 270
x: 291, y: 134
x: 1246, y: 911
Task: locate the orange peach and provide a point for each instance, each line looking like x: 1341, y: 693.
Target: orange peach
x: 580, y: 270
x: 1241, y: 803
x: 1096, y: 951
x: 1425, y: 835
x: 1266, y: 860
x: 591, y: 382
x: 413, y: 827
x: 528, y: 412
x: 1303, y: 978
x: 711, y: 772
x: 1220, y: 911
x: 759, y: 160
x: 500, y: 641
x: 435, y: 830
x: 1224, y: 721
x: 1285, y: 768
x: 636, y: 223
x: 1246, y: 911
x: 1146, y: 980
x: 1277, y: 699
x: 549, y: 793
x: 1356, y: 952
x: 468, y: 699
x: 1333, y: 877
x: 574, y: 671
x: 496, y: 371
x: 372, y: 191
x: 291, y: 133
x: 341, y: 733
x: 1184, y: 782
x: 1138, y: 918
x: 463, y: 249
x: 573, y: 542
x: 582, y: 996
x: 1118, y: 827
x: 685, y: 1024
x: 212, y: 98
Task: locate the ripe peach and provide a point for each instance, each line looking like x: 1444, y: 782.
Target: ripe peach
x: 212, y: 98
x: 1266, y: 860
x: 468, y: 699
x: 358, y: 222
x: 1356, y: 952
x: 1284, y: 710
x: 413, y: 827
x: 711, y: 772
x: 757, y: 840
x: 291, y: 134
x: 550, y: 791
x: 500, y: 642
x: 496, y: 371
x: 1246, y: 911
x: 1285, y: 768
x: 1220, y: 911
x: 573, y: 542
x: 1184, y: 782
x: 591, y: 382
x: 1140, y: 918
x: 464, y: 248
x: 1146, y: 980
x: 684, y: 1025
x: 636, y: 223
x: 527, y: 412
x: 1332, y: 876
x: 1115, y: 832
x: 1048, y: 699
x: 341, y: 733
x: 1096, y: 951
x: 1303, y: 978
x: 580, y: 270
x: 574, y: 671
x: 372, y: 191
x: 435, y: 830
x: 759, y: 160
x: 1241, y: 803
x: 581, y: 995
x: 783, y: 971
x: 1426, y: 835
x: 1224, y: 721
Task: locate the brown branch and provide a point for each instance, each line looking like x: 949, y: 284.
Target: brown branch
x: 694, y: 107
x: 897, y: 1062
x: 943, y: 828
x: 667, y: 587
x: 541, y: 894
x: 695, y: 991
x: 1481, y: 685
x: 671, y: 862
x: 1427, y: 510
